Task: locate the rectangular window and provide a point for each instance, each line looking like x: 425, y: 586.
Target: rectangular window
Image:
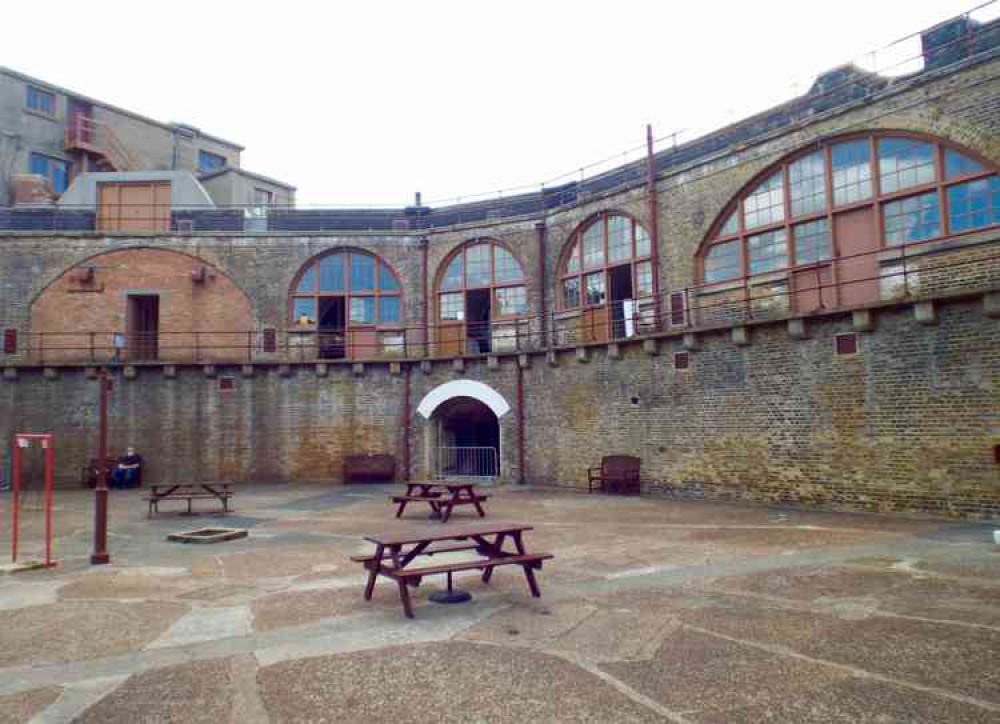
x: 768, y: 251
x: 388, y: 309
x: 511, y: 301
x: 914, y: 218
x: 643, y: 278
x: 270, y: 340
x: 682, y: 360
x: 846, y: 343
x: 619, y: 238
x: 807, y: 184
x: 331, y: 273
x: 304, y: 311
x: 505, y: 266
x: 594, y: 284
x: 362, y: 273
x: 55, y: 171
x: 263, y: 197
x: 593, y: 247
x: 208, y: 161
x: 477, y: 265
x: 571, y: 292
x: 10, y: 341
x: 904, y: 163
x: 41, y: 101
x: 765, y: 204
x: 722, y: 262
x: 974, y: 204
x: 452, y: 308
x: 813, y: 242
x: 852, y: 172
x: 677, y: 309
x: 362, y: 310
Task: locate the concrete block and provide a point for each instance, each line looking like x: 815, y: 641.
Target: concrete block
x: 50, y: 373
x: 247, y: 370
x: 991, y: 305
x: 169, y: 371
x: 358, y: 369
x: 458, y: 364
x: 863, y: 320
x: 797, y: 329
x: 284, y: 370
x: 395, y: 368
x: 493, y: 362
x: 614, y: 351
x: 210, y: 370
x: 426, y: 366
x: 651, y: 347
x: 741, y: 336
x: 691, y: 341
x: 90, y: 373
x: 582, y: 354
x: 552, y: 358
x: 10, y: 374
x: 925, y: 312
x: 322, y: 369
x: 524, y: 361
x: 130, y: 372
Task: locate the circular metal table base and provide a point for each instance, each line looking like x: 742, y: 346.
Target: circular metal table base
x: 451, y: 595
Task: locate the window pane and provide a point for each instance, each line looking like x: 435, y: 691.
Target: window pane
x: 903, y: 163
x: 452, y: 307
x: 765, y: 204
x: 852, y: 172
x: 807, y: 184
x: 955, y: 165
x: 593, y: 246
x: 813, y: 242
x: 388, y: 309
x: 643, y: 278
x: 595, y: 288
x: 511, y: 301
x: 306, y: 308
x: 731, y: 226
x: 37, y: 163
x: 723, y: 262
x: 60, y: 176
x: 619, y: 238
x: 573, y: 262
x: 641, y: 241
x: 453, y: 274
x: 506, y: 268
x: 362, y: 273
x: 308, y: 281
x: 210, y: 161
x: 477, y: 265
x: 912, y: 219
x: 571, y: 292
x: 331, y: 273
x: 974, y: 204
x: 386, y: 279
x: 363, y: 310
x: 767, y: 252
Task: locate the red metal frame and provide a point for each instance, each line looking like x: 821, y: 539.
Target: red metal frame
x: 46, y: 442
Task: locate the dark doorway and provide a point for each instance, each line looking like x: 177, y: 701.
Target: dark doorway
x: 332, y: 328
x: 622, y: 311
x: 143, y: 326
x: 469, y: 439
x: 477, y: 305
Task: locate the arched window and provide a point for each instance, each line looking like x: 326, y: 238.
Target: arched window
x: 608, y: 259
x: 849, y: 198
x: 347, y: 296
x: 480, y: 287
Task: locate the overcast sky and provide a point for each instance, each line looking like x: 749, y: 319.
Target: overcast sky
x: 367, y: 102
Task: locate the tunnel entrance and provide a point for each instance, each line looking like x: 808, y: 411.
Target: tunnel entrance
x: 468, y: 440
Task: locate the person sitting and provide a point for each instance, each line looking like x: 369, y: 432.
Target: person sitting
x: 126, y: 475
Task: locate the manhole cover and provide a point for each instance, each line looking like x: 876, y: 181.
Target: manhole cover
x: 208, y: 535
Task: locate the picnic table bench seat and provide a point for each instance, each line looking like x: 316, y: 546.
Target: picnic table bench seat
x: 189, y: 492
x: 442, y: 497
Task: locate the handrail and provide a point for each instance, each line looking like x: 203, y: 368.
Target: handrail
x: 84, y: 130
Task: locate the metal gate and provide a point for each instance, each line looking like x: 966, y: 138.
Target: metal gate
x: 468, y: 462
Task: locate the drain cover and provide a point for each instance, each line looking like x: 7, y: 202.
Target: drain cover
x: 208, y: 535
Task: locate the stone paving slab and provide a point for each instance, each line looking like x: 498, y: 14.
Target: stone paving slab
x: 20, y: 708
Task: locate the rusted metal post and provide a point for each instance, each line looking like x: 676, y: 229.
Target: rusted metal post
x: 47, y: 443
x: 406, y: 422
x: 521, y: 462
x: 542, y: 286
x: 100, y: 553
x: 15, y: 498
x: 654, y: 227
x: 425, y: 303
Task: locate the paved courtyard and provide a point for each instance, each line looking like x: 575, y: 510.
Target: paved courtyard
x: 652, y: 610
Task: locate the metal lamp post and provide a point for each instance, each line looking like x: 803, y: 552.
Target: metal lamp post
x: 100, y: 554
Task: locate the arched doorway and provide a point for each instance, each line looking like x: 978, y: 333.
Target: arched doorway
x: 463, y: 437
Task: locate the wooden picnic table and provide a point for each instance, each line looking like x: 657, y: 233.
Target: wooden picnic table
x: 396, y: 551
x: 442, y: 497
x: 189, y: 491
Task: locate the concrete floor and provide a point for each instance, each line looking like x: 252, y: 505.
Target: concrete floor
x: 652, y: 611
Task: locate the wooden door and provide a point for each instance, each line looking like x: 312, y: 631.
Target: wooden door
x: 361, y: 343
x: 143, y: 327
x: 450, y: 340
x: 595, y: 324
x: 856, y: 240
x: 134, y: 206
x: 814, y: 289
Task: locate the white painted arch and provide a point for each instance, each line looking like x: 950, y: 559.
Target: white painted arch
x: 463, y: 388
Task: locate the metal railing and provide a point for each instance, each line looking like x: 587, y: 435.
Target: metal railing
x: 468, y: 462
x: 791, y: 292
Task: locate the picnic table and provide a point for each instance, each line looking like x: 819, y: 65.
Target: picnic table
x: 158, y: 493
x: 395, y: 553
x: 442, y: 497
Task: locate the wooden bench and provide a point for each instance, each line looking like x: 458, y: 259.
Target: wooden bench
x: 199, y: 491
x: 90, y: 471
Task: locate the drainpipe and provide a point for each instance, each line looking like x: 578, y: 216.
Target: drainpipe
x: 521, y: 472
x: 424, y: 244
x: 654, y: 235
x: 406, y: 423
x: 543, y: 321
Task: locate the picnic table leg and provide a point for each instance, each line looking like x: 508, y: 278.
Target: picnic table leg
x: 373, y: 572
x: 404, y: 595
x: 402, y: 507
x: 479, y: 507
x: 488, y: 573
x: 532, y: 583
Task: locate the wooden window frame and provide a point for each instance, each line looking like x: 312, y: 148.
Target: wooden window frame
x: 576, y: 242
x: 493, y: 285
